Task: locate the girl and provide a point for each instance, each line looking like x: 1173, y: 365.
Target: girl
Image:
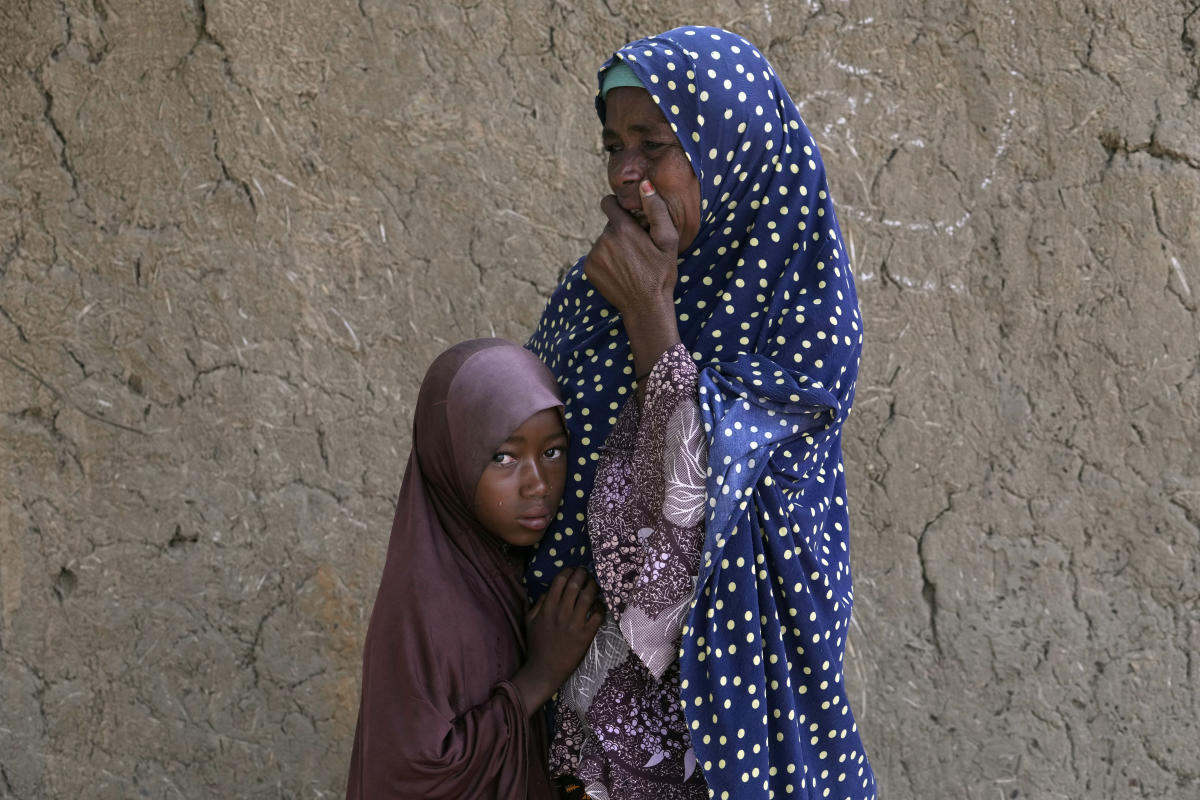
x: 455, y: 670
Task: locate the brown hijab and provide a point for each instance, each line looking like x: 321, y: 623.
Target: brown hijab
x: 439, y: 718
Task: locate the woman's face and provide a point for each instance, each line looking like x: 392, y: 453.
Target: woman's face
x: 641, y: 146
x: 520, y: 488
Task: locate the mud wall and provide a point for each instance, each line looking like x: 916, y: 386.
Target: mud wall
x: 232, y: 235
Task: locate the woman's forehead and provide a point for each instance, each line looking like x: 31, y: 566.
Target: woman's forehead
x: 632, y: 109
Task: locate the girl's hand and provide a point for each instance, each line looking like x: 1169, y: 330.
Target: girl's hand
x: 559, y: 629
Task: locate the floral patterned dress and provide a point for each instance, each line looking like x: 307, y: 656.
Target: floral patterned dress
x: 621, y: 729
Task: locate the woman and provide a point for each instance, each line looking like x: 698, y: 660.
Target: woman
x: 455, y: 672
x: 737, y: 259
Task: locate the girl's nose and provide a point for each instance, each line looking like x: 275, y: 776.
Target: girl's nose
x: 533, y: 481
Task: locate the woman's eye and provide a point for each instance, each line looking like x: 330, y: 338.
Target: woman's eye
x: 554, y: 452
x: 502, y: 459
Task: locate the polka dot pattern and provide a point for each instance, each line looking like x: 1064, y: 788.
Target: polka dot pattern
x: 767, y: 306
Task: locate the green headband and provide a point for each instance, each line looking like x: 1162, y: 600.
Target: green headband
x: 619, y: 74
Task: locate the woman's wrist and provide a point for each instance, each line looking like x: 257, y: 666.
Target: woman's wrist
x: 651, y: 333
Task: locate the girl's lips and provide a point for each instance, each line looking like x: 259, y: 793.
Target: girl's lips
x: 534, y: 523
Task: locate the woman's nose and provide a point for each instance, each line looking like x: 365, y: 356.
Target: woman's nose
x: 626, y: 167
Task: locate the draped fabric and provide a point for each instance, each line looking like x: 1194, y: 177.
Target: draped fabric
x: 439, y: 717
x: 619, y: 726
x: 766, y: 304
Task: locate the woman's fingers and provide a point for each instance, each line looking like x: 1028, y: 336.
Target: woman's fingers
x: 662, y: 229
x: 618, y: 218
x: 626, y: 264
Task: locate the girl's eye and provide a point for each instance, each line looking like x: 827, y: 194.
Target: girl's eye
x: 554, y: 452
x: 502, y: 459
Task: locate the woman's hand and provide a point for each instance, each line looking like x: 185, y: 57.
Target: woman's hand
x: 636, y: 271
x: 559, y: 629
x: 633, y: 268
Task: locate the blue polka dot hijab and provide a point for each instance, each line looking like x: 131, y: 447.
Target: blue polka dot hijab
x: 766, y: 303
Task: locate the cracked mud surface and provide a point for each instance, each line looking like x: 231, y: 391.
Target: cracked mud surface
x: 231, y: 240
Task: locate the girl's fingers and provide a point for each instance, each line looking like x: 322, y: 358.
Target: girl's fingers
x: 599, y: 612
x: 562, y: 602
x: 585, y: 601
x: 531, y: 615
x: 558, y: 586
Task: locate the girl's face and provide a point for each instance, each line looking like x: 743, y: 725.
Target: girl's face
x: 519, y: 491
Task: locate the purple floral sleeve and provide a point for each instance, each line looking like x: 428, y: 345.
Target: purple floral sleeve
x: 620, y: 728
x: 646, y: 510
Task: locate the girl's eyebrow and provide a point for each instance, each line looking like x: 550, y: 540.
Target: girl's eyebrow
x: 517, y: 438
